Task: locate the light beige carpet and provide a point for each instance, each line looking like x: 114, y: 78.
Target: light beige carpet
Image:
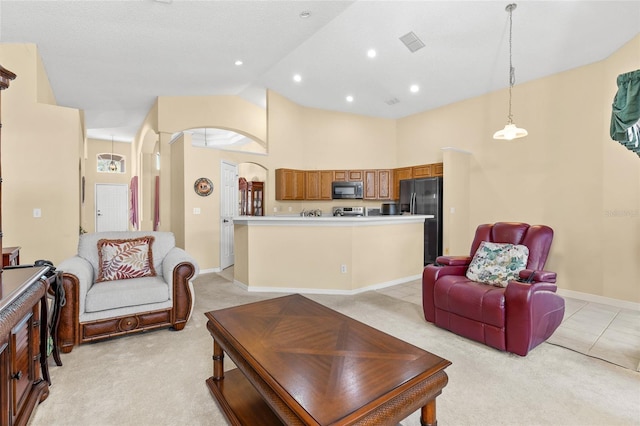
x: 157, y: 378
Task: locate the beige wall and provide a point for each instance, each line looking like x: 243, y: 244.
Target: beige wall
x: 41, y: 151
x: 567, y: 173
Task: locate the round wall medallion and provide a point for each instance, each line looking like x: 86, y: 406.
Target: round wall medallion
x: 203, y: 187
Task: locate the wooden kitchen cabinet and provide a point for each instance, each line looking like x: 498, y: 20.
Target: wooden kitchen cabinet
x: 398, y: 175
x: 340, y: 175
x: 421, y: 171
x: 348, y: 176
x: 290, y: 184
x: 377, y: 184
x: 356, y: 176
x: 437, y: 169
x: 318, y: 184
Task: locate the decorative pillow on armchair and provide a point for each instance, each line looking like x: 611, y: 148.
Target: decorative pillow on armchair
x: 497, y: 263
x: 124, y: 259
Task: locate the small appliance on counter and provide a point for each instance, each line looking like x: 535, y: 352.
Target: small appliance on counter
x: 389, y: 209
x: 348, y: 211
x: 372, y: 211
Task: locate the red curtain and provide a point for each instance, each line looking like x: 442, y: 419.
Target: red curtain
x: 133, y: 212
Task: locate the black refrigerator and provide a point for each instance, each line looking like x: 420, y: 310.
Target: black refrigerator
x: 424, y: 196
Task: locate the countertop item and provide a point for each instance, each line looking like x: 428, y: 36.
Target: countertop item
x: 330, y: 220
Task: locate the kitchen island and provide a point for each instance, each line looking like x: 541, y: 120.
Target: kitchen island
x: 333, y: 255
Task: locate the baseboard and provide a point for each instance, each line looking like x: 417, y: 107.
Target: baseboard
x: 587, y: 297
x: 208, y: 271
x: 377, y: 286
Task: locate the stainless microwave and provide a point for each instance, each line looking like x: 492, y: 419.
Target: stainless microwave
x: 351, y: 190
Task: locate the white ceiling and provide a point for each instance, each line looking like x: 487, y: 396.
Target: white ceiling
x: 113, y: 58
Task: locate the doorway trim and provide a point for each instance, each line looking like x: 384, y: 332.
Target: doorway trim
x: 228, y: 209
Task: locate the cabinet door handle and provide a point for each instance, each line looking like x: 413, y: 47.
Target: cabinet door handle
x: 17, y: 376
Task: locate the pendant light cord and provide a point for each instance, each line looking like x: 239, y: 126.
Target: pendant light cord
x: 512, y: 71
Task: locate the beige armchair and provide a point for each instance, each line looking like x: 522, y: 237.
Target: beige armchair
x: 100, y: 304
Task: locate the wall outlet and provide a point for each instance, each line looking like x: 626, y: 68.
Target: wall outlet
x: 343, y: 268
x: 290, y: 208
x: 196, y: 210
x: 275, y: 210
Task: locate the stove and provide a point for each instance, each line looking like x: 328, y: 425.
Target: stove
x: 348, y: 211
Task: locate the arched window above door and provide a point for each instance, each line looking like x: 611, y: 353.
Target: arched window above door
x: 110, y: 163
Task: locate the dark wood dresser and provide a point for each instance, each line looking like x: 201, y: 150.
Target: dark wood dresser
x: 23, y: 343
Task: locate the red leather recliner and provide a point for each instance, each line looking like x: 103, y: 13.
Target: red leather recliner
x: 515, y: 318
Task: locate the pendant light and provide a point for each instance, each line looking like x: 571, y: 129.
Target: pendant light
x: 112, y: 164
x: 510, y: 131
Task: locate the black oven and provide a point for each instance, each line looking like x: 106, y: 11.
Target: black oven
x: 351, y: 190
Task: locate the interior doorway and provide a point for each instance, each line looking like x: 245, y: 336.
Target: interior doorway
x: 112, y: 207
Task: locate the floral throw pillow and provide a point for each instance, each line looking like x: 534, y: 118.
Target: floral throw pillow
x: 124, y: 259
x: 497, y: 263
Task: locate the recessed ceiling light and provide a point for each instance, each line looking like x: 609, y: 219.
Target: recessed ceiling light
x: 297, y: 78
x: 238, y: 62
x: 371, y: 53
x: 305, y: 14
x: 414, y: 88
x: 349, y: 98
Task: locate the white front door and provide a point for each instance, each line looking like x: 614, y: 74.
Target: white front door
x: 228, y: 209
x: 112, y: 207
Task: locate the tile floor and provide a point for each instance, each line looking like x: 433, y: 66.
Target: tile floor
x: 601, y: 331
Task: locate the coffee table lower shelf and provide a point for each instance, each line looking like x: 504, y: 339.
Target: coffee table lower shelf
x: 240, y: 401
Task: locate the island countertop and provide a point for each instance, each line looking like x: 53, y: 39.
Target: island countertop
x: 327, y: 254
x: 329, y: 220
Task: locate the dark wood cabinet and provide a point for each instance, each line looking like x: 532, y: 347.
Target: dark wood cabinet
x: 23, y: 342
x: 251, y: 198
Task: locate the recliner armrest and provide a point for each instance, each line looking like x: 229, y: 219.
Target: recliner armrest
x: 453, y: 260
x: 538, y: 276
x: 83, y: 271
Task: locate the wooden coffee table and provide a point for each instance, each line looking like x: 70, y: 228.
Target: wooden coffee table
x: 301, y: 363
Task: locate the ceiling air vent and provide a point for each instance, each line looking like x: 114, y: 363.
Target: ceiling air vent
x: 392, y: 101
x: 412, y: 41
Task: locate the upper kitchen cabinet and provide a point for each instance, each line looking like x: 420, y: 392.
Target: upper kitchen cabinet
x: 377, y: 184
x: 356, y: 176
x: 421, y: 171
x: 318, y: 184
x: 398, y: 175
x: 437, y: 169
x: 290, y: 184
x: 348, y: 176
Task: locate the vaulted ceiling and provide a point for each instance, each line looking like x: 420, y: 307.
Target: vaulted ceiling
x: 113, y: 58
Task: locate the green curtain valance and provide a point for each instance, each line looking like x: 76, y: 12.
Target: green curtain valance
x: 626, y: 111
